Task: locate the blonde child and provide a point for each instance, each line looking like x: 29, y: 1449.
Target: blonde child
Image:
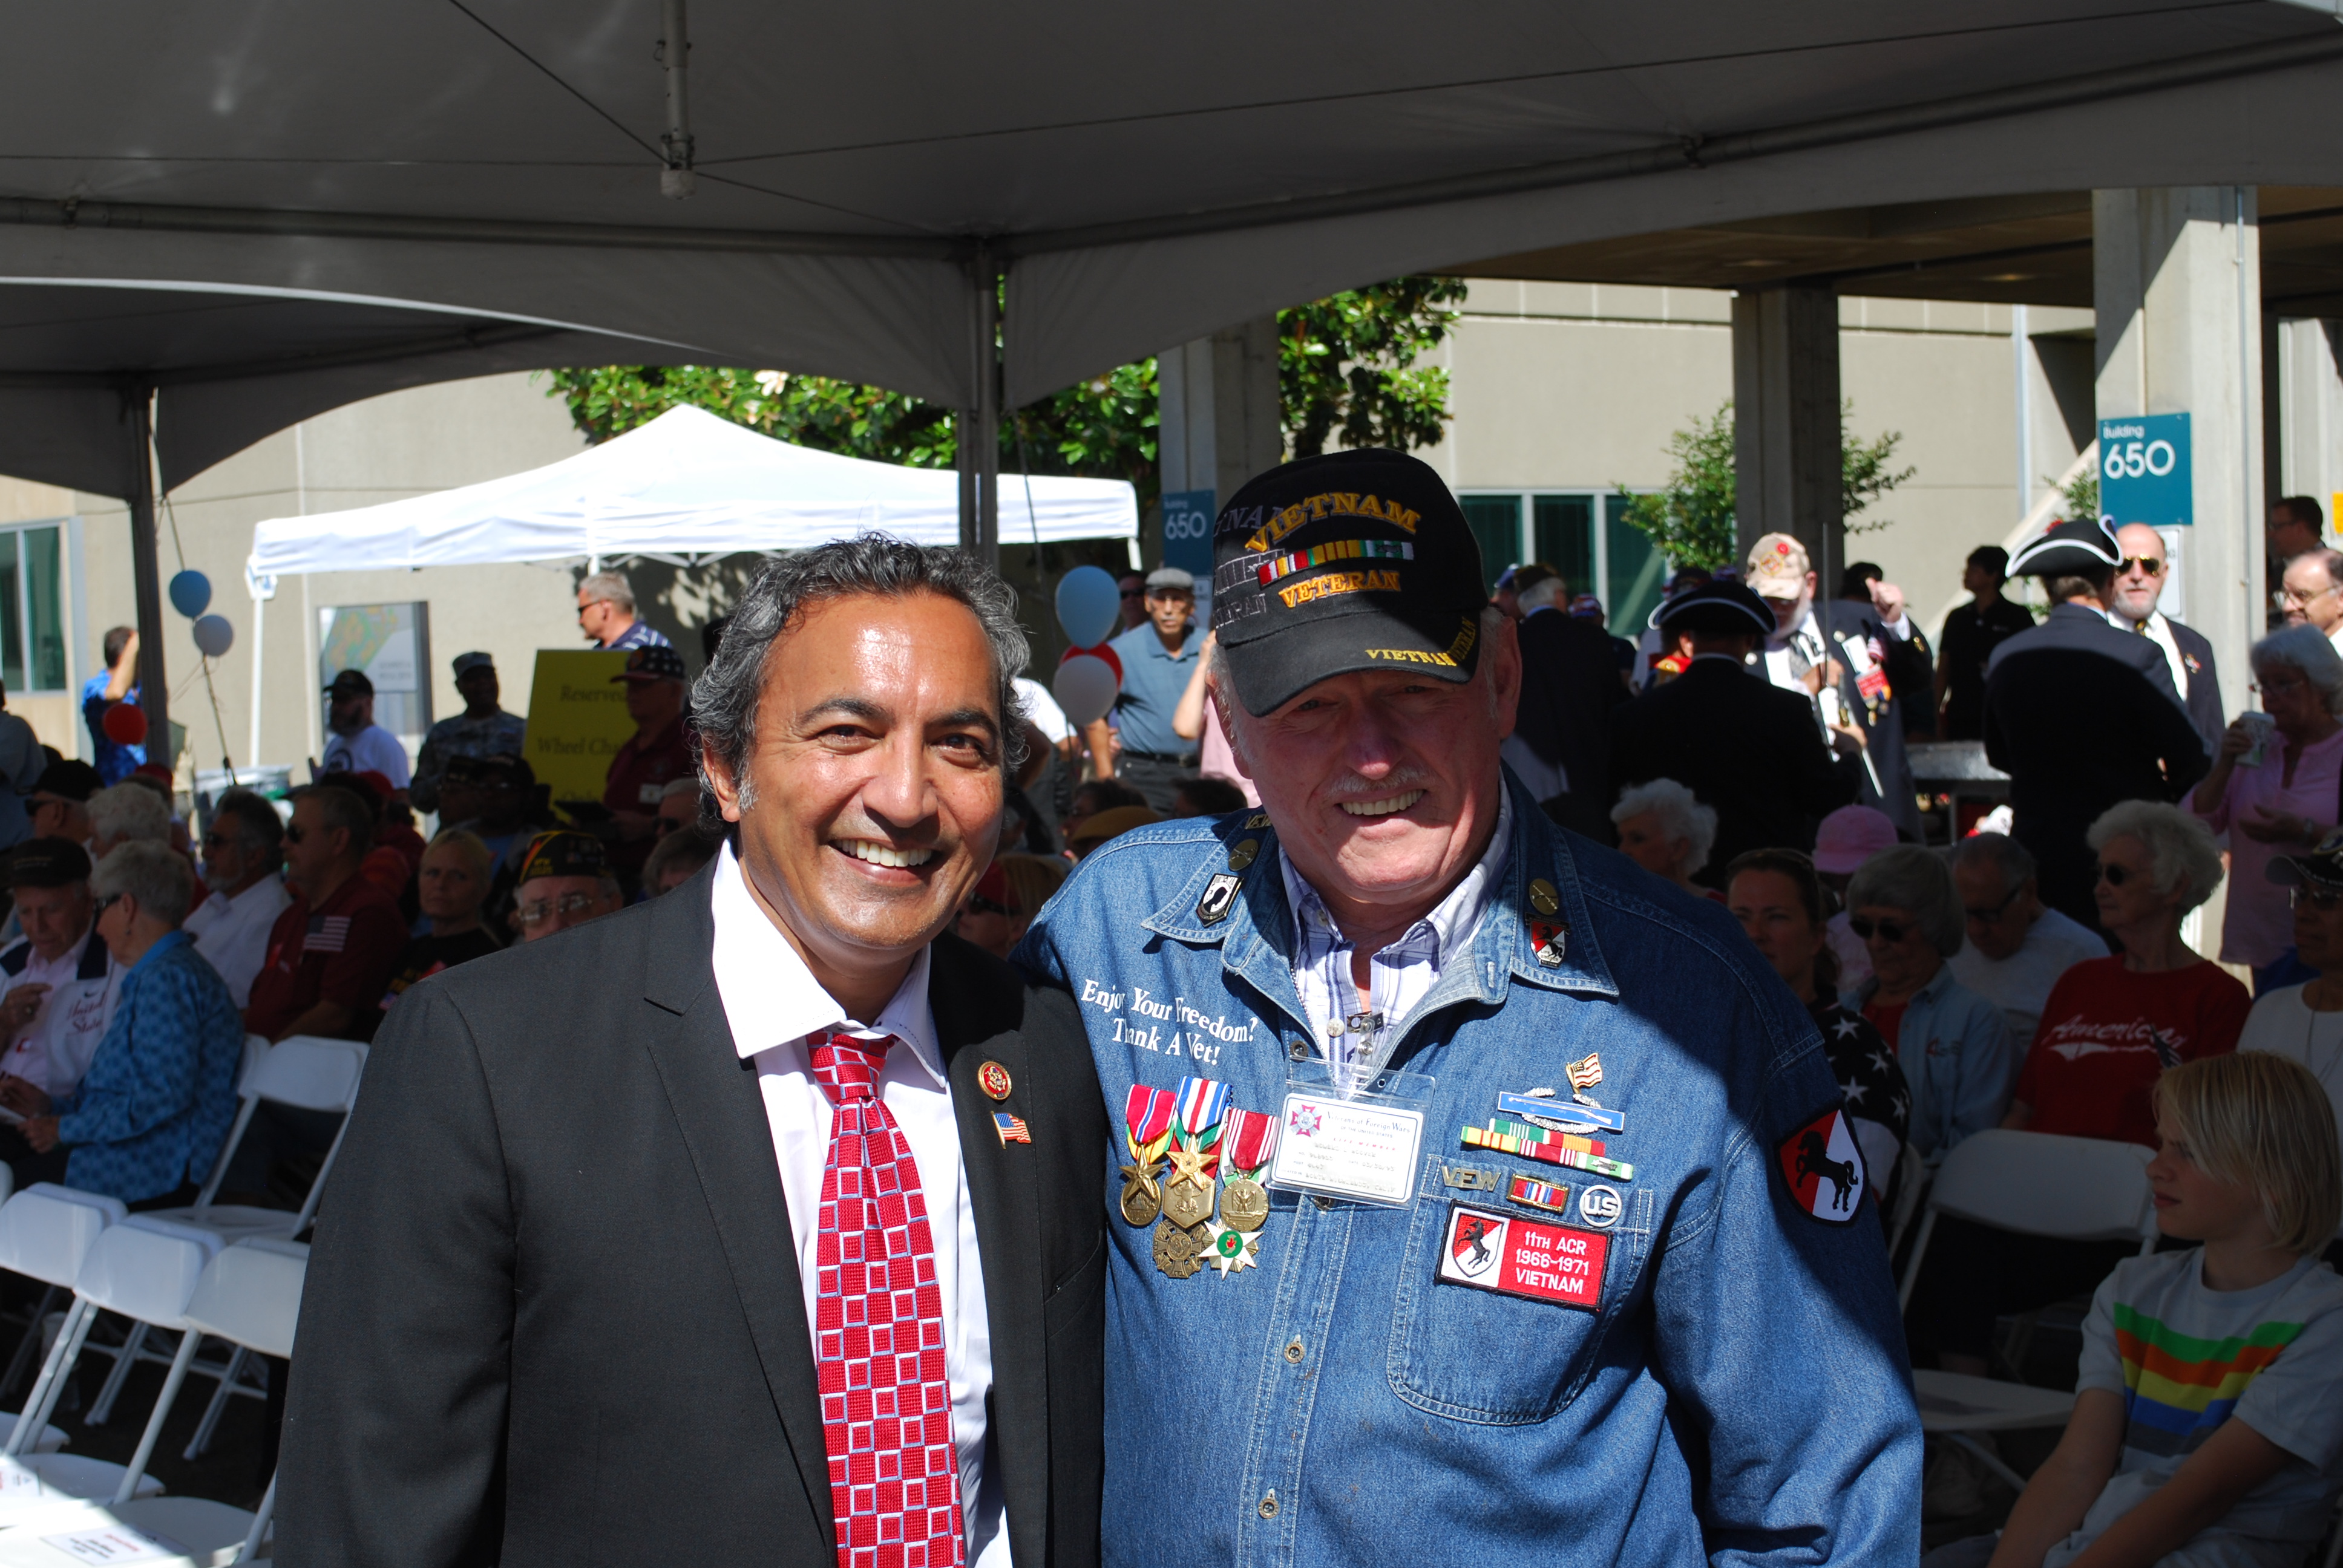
x: 2209, y: 1415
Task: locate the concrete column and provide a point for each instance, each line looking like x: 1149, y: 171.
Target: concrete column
x: 2305, y: 416
x: 2178, y: 287
x: 1219, y: 409
x: 1786, y: 431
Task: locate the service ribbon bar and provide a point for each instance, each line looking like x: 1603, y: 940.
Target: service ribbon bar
x: 1550, y: 1154
x: 1529, y: 1134
x: 1539, y: 1194
x: 1286, y: 565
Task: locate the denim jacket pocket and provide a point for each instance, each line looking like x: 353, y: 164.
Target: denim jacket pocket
x: 1480, y: 1356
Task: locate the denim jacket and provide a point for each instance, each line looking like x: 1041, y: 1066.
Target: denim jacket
x: 1956, y: 1053
x: 1740, y: 1389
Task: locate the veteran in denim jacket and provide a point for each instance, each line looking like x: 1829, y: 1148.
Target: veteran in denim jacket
x: 1480, y: 1196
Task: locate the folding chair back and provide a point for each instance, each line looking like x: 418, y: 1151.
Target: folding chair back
x: 251, y: 1294
x: 46, y: 1230
x: 2041, y: 1184
x: 145, y: 1269
x: 302, y: 1071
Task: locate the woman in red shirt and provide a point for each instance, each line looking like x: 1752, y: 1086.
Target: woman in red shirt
x: 2113, y: 1025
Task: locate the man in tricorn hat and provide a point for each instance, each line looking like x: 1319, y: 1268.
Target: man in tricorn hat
x: 1509, y: 1169
x: 2080, y: 715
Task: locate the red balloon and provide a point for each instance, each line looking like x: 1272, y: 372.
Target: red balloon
x: 125, y: 725
x: 1113, y: 660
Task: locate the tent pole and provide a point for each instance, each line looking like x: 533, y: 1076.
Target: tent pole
x: 987, y: 405
x: 153, y: 690
x: 966, y: 461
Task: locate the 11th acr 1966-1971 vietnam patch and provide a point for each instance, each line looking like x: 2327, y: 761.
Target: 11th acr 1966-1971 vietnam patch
x: 1822, y: 1165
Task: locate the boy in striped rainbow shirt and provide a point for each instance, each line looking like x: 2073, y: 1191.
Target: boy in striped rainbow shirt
x: 2209, y: 1415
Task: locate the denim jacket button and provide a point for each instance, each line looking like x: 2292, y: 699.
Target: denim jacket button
x: 1323, y: 1202
x: 1269, y: 1506
x: 1297, y: 1051
x: 1294, y: 1352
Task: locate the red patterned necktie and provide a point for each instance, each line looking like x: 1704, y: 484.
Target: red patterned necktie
x: 878, y: 1332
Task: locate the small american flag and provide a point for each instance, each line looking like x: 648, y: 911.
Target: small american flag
x: 1011, y: 1128
x: 327, y: 934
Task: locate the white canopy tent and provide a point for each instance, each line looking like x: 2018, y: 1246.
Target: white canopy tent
x: 687, y: 484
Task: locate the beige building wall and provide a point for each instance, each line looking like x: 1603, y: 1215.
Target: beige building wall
x: 1579, y: 388
x: 403, y: 444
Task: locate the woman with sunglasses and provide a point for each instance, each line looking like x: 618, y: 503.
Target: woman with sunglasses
x: 1952, y: 1043
x: 2276, y: 794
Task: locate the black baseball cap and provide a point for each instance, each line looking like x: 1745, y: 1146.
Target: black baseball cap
x: 44, y: 863
x: 68, y: 779
x: 351, y: 683
x: 653, y: 661
x: 2077, y: 547
x: 1349, y: 561
x: 564, y: 853
x: 1717, y: 609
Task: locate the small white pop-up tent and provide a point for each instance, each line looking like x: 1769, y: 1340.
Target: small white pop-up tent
x: 687, y: 484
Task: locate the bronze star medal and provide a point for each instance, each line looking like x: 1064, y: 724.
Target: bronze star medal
x: 1188, y: 1195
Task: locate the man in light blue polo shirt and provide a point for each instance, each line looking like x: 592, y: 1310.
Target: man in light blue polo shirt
x: 1159, y: 658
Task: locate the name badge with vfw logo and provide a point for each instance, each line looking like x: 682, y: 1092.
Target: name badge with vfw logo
x: 1515, y: 1256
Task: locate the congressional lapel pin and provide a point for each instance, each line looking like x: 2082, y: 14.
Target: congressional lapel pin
x: 1547, y: 939
x: 1516, y: 1255
x: 993, y: 1078
x: 1242, y: 853
x: 1220, y: 898
x: 1822, y: 1165
x: 1012, y: 1129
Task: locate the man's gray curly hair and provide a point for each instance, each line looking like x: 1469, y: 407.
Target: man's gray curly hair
x: 724, y: 701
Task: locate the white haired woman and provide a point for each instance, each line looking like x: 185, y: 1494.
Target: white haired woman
x: 1668, y: 832
x: 2281, y: 804
x: 1953, y: 1044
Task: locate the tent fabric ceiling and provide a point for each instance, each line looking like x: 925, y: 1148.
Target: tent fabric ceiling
x: 227, y: 368
x: 503, y: 156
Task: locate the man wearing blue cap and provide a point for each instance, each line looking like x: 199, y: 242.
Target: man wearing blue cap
x: 483, y: 729
x: 1478, y: 1197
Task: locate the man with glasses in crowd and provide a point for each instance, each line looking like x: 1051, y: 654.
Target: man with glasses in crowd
x: 2140, y: 577
x: 2311, y: 593
x: 565, y: 881
x: 242, y: 848
x: 606, y: 614
x: 331, y: 953
x: 60, y: 801
x: 2015, y: 947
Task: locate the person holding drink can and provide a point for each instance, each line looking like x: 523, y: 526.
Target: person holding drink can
x: 2275, y: 785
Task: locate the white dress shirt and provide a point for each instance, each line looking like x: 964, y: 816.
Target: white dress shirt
x: 1404, y: 971
x: 2157, y: 630
x: 772, y: 1002
x: 233, y: 933
x: 54, y: 1049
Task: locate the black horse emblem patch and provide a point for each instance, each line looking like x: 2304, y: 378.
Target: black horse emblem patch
x: 1822, y: 1164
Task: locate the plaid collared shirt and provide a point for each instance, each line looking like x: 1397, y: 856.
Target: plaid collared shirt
x: 1403, y: 972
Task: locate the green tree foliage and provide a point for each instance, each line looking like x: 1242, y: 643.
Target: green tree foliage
x: 1346, y: 366
x: 2080, y: 497
x: 1691, y: 519
x: 1347, y: 369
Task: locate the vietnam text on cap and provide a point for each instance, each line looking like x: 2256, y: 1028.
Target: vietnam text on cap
x: 1351, y: 561
x: 655, y: 661
x: 564, y: 853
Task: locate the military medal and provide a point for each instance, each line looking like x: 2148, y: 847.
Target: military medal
x: 1247, y: 1141
x: 1227, y: 1249
x: 1199, y: 1105
x: 1177, y: 1249
x: 1148, y: 1113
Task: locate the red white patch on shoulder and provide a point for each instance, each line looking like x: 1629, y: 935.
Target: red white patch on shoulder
x: 1822, y: 1165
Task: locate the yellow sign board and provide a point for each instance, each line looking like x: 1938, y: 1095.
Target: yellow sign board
x: 577, y: 720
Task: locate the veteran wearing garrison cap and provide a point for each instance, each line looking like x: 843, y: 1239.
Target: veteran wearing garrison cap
x: 1476, y: 1196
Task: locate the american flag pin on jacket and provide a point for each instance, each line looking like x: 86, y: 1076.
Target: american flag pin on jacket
x: 1012, y: 1129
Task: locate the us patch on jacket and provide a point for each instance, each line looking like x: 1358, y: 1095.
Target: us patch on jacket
x: 1823, y: 1167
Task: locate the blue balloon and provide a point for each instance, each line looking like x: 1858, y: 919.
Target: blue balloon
x: 1088, y: 605
x: 214, y: 636
x: 191, y: 594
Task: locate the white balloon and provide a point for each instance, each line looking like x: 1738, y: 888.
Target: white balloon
x: 214, y: 635
x: 1088, y: 605
x: 1085, y: 688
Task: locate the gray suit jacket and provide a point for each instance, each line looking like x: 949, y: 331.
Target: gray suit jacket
x: 554, y: 1314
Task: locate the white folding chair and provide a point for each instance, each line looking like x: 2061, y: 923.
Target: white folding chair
x: 46, y: 1231
x: 144, y: 1269
x: 251, y: 1297
x: 2037, y: 1184
x: 152, y: 1531
x: 305, y: 1072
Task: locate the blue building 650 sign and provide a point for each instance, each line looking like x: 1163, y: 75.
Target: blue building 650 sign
x: 2144, y: 470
